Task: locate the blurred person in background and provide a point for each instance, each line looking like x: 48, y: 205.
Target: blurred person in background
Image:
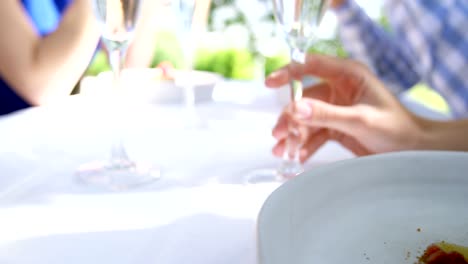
x: 46, y: 45
x: 427, y: 42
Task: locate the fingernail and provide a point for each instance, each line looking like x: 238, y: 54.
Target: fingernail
x: 277, y: 151
x: 274, y: 133
x: 273, y: 74
x: 302, y: 110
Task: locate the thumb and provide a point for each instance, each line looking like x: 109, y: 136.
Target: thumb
x: 316, y: 113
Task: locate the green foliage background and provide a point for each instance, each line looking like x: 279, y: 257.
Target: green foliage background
x: 233, y: 63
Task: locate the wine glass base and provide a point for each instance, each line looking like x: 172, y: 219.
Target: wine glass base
x: 290, y: 169
x: 286, y: 171
x: 118, y: 175
x: 260, y: 176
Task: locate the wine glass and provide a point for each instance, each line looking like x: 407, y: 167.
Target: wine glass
x: 117, y: 19
x: 186, y: 33
x: 299, y: 21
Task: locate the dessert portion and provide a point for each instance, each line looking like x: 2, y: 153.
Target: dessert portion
x: 444, y: 253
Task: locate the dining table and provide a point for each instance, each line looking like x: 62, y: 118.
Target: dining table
x: 201, y: 210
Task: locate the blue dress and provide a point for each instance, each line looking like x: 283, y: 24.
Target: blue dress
x: 45, y: 16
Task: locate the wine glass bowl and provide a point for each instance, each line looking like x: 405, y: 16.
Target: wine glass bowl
x: 117, y: 18
x: 186, y: 33
x: 299, y: 20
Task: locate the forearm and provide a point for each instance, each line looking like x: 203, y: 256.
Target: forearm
x: 448, y: 135
x: 60, y: 58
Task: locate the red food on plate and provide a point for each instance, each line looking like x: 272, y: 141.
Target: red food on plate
x: 444, y: 253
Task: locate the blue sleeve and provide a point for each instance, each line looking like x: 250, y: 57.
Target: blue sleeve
x: 368, y: 42
x: 45, y: 15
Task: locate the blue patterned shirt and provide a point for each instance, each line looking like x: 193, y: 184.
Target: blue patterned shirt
x: 428, y: 43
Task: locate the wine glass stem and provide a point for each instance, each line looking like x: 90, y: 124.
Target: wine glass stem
x: 115, y: 59
x: 291, y: 165
x: 189, y: 98
x: 188, y: 86
x: 119, y: 157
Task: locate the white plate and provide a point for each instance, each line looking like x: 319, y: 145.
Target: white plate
x: 145, y: 84
x: 367, y: 210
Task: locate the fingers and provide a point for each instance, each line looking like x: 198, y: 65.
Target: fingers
x: 325, y: 67
x: 317, y: 140
x: 320, y: 91
x: 284, y: 75
x: 315, y: 113
x: 313, y: 142
x: 354, y: 146
x: 322, y: 66
x: 279, y: 148
x: 280, y: 130
x: 278, y: 78
x: 286, y: 125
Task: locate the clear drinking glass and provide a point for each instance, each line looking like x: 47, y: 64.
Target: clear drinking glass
x: 117, y: 19
x: 186, y: 33
x: 299, y: 20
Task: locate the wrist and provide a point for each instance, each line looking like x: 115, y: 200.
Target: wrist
x: 428, y: 134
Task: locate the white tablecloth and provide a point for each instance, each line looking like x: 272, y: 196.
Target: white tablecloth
x: 199, y: 212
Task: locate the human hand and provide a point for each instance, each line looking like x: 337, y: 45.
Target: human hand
x: 350, y: 106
